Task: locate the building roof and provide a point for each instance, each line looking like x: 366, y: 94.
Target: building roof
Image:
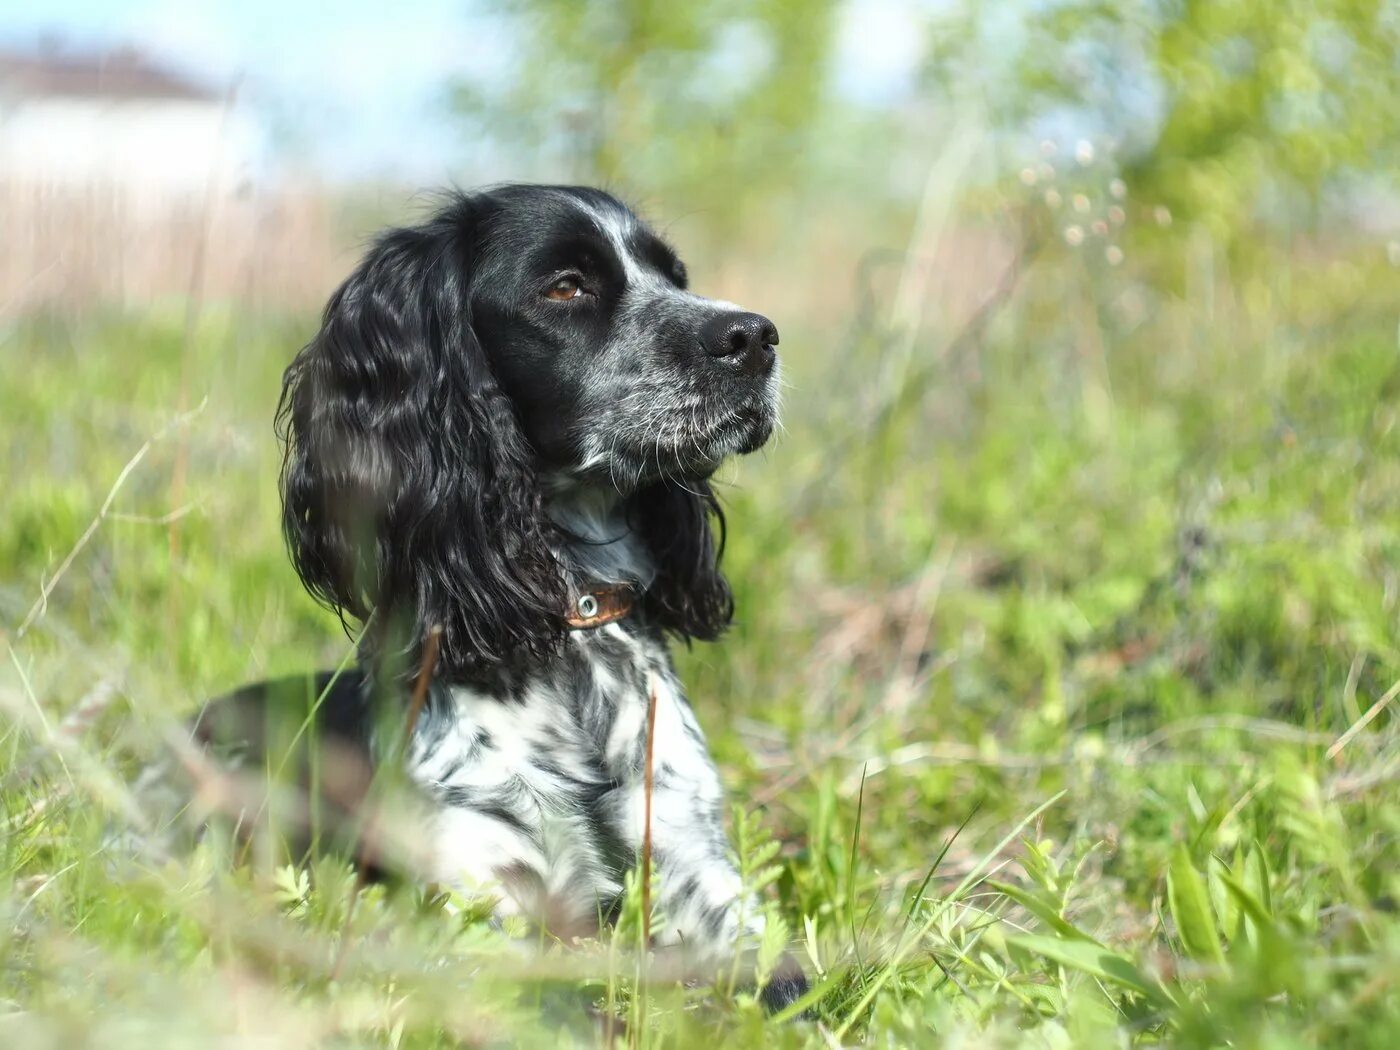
x: 121, y: 74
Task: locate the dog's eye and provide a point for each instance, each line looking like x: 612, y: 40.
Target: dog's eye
x: 564, y: 289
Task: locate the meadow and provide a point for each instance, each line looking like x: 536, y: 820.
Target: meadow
x: 1058, y: 711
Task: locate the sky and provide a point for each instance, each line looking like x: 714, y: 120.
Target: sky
x: 355, y: 89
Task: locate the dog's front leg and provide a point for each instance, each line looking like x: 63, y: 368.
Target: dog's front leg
x: 704, y: 909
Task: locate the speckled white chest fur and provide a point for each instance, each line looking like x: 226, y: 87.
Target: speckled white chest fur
x: 540, y: 796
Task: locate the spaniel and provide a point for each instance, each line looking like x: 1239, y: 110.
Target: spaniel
x: 499, y: 448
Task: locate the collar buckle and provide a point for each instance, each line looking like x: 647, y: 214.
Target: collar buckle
x: 601, y: 604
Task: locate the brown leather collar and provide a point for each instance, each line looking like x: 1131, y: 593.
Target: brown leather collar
x: 601, y: 604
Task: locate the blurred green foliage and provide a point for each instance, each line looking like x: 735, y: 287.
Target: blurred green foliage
x: 1241, y: 117
x: 713, y: 104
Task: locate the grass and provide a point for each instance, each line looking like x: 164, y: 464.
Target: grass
x: 1058, y: 712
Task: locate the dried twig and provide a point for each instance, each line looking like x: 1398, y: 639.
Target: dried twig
x: 155, y: 519
x: 1259, y: 727
x: 426, y: 669
x: 1361, y: 723
x: 648, y: 786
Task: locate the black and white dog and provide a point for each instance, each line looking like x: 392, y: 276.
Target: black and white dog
x: 502, y: 436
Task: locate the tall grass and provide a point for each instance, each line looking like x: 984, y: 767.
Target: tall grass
x: 71, y: 246
x: 1058, y: 711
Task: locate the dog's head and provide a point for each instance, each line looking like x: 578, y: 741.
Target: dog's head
x: 614, y: 367
x: 521, y: 334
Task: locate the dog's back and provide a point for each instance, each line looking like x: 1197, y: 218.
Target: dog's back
x: 295, y: 755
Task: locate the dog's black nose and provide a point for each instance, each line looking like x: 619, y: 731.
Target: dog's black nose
x: 745, y: 339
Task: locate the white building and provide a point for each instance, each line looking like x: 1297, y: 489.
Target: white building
x: 119, y: 121
x: 124, y: 181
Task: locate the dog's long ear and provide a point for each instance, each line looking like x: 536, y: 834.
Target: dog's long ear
x: 683, y: 526
x: 408, y: 488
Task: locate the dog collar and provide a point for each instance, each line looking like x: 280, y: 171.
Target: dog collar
x: 601, y: 604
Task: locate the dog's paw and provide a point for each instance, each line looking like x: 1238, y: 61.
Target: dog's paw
x: 787, y: 985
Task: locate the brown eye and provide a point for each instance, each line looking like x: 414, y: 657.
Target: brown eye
x: 564, y: 289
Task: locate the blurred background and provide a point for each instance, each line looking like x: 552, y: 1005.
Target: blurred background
x: 1089, y: 481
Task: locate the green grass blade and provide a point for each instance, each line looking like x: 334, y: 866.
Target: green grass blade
x: 1097, y: 961
x: 1190, y: 909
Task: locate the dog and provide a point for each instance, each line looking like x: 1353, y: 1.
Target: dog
x: 498, y: 453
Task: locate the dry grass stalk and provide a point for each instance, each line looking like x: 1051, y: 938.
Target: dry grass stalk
x: 648, y: 785
x: 73, y: 247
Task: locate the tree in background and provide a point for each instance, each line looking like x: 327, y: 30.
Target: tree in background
x: 708, y: 104
x: 1236, y: 115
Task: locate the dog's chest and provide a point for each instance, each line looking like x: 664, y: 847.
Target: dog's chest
x: 578, y: 719
x: 542, y: 778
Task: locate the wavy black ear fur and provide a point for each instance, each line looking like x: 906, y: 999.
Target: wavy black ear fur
x: 408, y: 488
x: 689, y: 596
